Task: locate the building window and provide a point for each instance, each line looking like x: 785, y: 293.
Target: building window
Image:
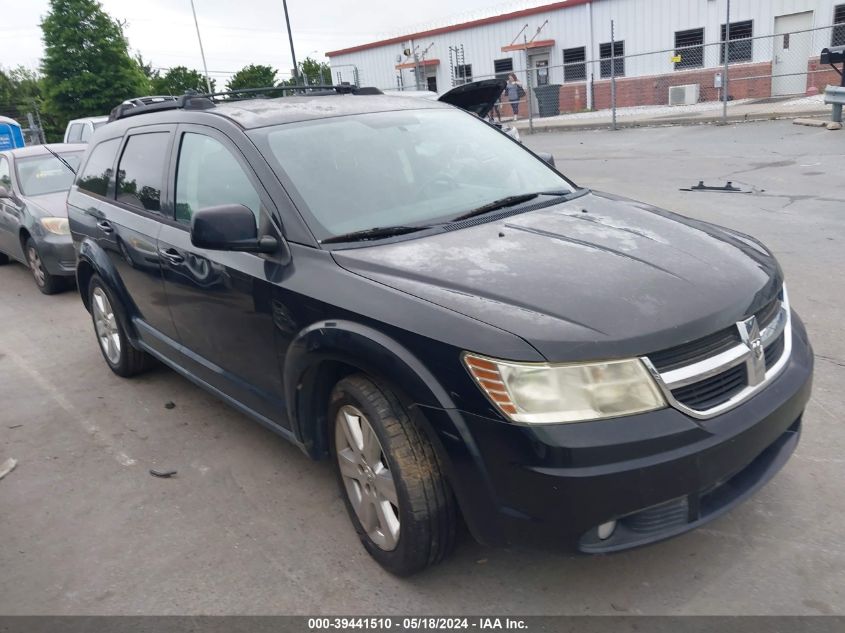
x: 689, y: 46
x: 618, y: 63
x: 503, y: 67
x: 740, y: 48
x: 463, y: 73
x: 574, y: 64
x: 838, y: 38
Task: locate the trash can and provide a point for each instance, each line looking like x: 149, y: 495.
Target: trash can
x: 548, y: 99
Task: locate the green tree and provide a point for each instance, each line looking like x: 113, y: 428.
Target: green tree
x: 147, y: 68
x: 252, y: 76
x: 178, y: 80
x: 315, y: 72
x: 86, y: 66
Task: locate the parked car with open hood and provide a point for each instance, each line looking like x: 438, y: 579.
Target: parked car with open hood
x: 478, y: 97
x: 395, y: 285
x: 34, y: 182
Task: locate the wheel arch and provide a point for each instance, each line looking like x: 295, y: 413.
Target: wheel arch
x: 93, y: 260
x: 325, y: 352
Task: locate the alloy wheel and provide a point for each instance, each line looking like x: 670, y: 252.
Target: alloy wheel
x: 367, y: 477
x: 35, y: 265
x: 106, y: 326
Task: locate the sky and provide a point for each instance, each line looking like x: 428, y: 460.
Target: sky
x: 235, y: 34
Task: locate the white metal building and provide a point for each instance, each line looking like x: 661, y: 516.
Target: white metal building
x: 565, y: 43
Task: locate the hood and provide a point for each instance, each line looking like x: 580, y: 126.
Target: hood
x: 477, y: 97
x: 48, y: 205
x: 595, y: 277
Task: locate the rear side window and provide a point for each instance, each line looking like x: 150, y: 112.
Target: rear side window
x: 140, y: 174
x: 75, y: 133
x: 99, y: 168
x: 208, y: 175
x: 87, y: 131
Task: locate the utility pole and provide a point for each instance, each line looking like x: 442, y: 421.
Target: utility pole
x: 727, y: 60
x: 202, y: 52
x: 528, y: 85
x: 290, y: 39
x: 613, y: 73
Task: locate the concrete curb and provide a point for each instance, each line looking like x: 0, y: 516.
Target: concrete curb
x: 671, y: 122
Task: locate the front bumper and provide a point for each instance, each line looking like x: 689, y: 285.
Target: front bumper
x: 57, y: 254
x: 657, y: 474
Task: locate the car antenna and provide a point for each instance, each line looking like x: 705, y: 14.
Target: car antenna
x: 62, y: 160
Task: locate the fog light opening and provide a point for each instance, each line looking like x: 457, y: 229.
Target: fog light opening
x: 605, y: 530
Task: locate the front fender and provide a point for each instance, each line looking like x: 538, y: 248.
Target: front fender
x: 363, y: 347
x: 428, y: 403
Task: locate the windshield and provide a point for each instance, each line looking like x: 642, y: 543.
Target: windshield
x: 411, y: 167
x: 38, y: 175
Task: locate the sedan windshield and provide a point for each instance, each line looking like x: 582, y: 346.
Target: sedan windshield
x: 412, y: 167
x: 38, y: 175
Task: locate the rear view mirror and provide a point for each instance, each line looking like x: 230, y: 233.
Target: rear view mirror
x: 229, y: 227
x: 547, y: 157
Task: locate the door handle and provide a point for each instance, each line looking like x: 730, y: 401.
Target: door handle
x: 105, y: 226
x: 172, y: 255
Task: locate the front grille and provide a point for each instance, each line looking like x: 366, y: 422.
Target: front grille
x: 688, y: 353
x: 713, y: 391
x: 699, y: 349
x: 774, y: 351
x: 658, y: 518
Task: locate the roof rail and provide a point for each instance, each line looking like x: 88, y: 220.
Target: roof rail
x: 197, y: 101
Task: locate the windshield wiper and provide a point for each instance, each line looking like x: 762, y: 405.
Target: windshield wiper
x: 62, y: 160
x: 375, y: 233
x: 510, y: 201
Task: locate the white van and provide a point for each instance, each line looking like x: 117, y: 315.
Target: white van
x: 80, y: 130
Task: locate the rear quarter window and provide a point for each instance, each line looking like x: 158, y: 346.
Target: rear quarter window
x: 74, y: 134
x: 99, y: 169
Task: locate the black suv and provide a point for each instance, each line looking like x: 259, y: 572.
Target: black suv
x: 398, y: 285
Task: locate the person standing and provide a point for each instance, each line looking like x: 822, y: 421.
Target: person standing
x: 515, y: 92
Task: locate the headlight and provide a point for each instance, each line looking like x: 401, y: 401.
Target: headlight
x: 542, y: 393
x: 59, y: 226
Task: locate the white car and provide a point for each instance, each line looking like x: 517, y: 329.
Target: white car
x: 80, y: 130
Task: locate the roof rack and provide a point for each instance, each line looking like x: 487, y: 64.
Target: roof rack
x: 199, y: 101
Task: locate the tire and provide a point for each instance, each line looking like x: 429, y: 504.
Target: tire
x: 46, y: 283
x: 4, y: 259
x: 420, y: 498
x: 108, y: 317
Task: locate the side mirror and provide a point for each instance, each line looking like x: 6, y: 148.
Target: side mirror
x: 229, y: 227
x: 4, y: 193
x: 547, y: 157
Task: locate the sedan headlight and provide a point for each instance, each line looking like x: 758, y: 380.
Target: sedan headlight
x: 543, y: 393
x: 59, y: 226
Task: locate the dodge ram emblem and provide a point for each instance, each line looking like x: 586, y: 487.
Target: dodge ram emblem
x: 749, y: 332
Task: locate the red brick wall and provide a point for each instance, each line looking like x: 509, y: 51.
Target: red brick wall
x: 746, y: 81
x: 821, y: 76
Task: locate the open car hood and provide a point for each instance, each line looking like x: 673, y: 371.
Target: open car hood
x: 477, y: 97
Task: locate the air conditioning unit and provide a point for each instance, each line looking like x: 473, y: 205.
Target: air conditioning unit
x: 684, y: 95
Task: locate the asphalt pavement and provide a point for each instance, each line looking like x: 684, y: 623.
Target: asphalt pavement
x: 250, y: 526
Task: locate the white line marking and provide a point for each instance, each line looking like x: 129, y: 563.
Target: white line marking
x: 59, y: 398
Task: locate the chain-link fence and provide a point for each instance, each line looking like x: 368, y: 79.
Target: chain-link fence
x: 692, y: 74
x: 29, y: 118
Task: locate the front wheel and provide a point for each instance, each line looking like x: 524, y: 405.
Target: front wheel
x: 47, y: 283
x: 391, y: 479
